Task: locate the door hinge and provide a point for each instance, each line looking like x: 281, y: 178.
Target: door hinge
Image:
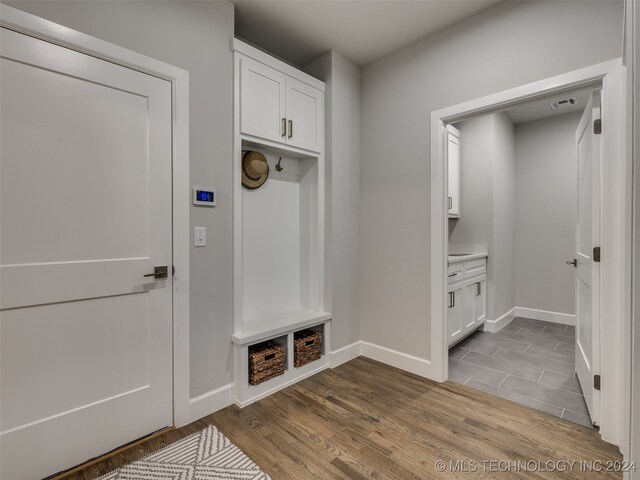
x: 173, y: 269
x: 596, y: 382
x: 597, y: 126
x: 596, y: 254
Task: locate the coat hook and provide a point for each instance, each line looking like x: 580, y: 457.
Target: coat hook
x: 278, y: 166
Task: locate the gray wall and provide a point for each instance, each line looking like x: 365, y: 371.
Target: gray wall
x: 518, y: 197
x: 475, y: 225
x: 470, y: 60
x: 502, y: 291
x: 487, y: 211
x: 546, y: 213
x: 342, y: 131
x: 194, y: 36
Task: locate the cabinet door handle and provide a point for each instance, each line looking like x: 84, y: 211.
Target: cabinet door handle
x: 284, y: 127
x: 450, y: 203
x: 290, y: 129
x: 452, y: 299
x: 478, y: 289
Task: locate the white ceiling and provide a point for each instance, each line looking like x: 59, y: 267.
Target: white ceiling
x: 361, y: 30
x: 539, y: 109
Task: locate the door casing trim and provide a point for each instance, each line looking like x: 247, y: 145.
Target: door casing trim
x: 36, y: 27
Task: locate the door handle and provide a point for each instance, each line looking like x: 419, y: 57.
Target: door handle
x: 158, y: 272
x: 573, y: 262
x: 478, y: 289
x: 290, y: 122
x: 284, y: 127
x: 452, y: 299
x: 450, y: 203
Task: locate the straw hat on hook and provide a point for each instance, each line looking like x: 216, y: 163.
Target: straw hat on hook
x: 255, y: 169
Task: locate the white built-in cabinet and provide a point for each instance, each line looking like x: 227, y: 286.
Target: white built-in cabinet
x: 453, y: 162
x: 466, y: 298
x: 279, y: 108
x: 279, y: 241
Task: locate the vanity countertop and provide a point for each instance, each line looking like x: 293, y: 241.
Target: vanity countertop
x: 458, y: 258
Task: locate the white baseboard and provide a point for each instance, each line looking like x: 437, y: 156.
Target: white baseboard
x: 222, y: 397
x: 500, y: 323
x: 210, y: 402
x: 344, y: 354
x: 400, y: 360
x: 547, y: 316
x: 281, y: 386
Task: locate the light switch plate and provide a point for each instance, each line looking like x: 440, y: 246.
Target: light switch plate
x: 199, y: 236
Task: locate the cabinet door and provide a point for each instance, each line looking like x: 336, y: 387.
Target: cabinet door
x: 474, y: 302
x: 469, y: 314
x: 480, y: 300
x: 304, y: 115
x: 453, y: 160
x: 455, y: 323
x: 262, y: 101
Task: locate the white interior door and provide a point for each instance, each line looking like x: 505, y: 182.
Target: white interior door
x: 85, y: 203
x: 587, y: 270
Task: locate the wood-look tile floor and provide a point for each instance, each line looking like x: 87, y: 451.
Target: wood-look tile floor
x: 530, y: 362
x: 366, y: 420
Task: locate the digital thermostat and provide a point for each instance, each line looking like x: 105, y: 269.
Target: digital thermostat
x: 205, y: 197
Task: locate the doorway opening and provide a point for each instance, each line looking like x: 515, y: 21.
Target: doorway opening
x: 615, y: 214
x: 514, y: 187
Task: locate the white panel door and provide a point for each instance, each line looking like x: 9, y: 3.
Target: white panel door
x: 588, y: 270
x: 262, y: 101
x: 85, y: 202
x: 304, y: 115
x: 453, y: 167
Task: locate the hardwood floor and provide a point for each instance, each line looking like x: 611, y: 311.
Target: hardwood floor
x: 366, y: 420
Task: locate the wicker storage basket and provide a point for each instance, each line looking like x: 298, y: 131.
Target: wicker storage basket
x: 266, y: 360
x: 307, y: 347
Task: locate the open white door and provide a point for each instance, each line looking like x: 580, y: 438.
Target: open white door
x: 587, y: 254
x: 85, y: 199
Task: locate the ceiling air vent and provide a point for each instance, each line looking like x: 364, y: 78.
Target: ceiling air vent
x: 565, y: 102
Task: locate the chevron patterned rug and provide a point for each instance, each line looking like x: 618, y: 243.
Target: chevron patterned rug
x: 206, y: 455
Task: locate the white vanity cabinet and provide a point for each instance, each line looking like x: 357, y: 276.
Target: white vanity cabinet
x: 466, y: 298
x: 453, y: 162
x: 277, y: 107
